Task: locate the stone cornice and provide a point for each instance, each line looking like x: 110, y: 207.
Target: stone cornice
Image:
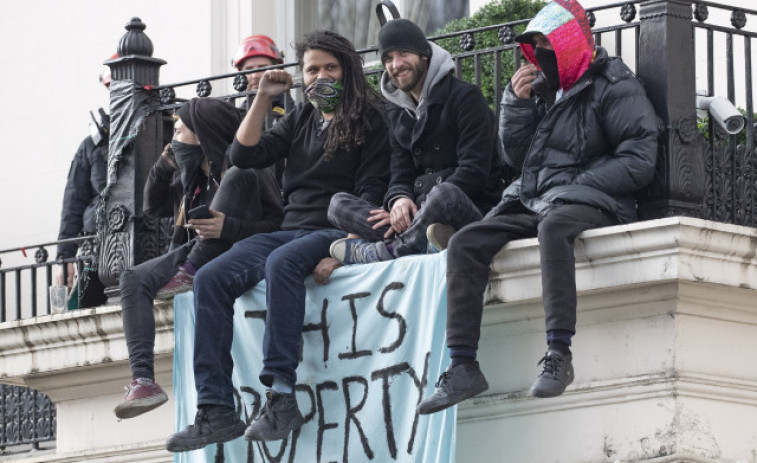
x: 660, y: 254
x: 651, y: 252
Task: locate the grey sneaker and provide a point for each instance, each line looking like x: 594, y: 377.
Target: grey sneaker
x: 456, y: 384
x: 277, y: 419
x: 555, y: 376
x: 214, y: 424
x: 438, y: 235
x: 359, y: 251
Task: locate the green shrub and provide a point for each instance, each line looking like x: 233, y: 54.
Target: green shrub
x: 494, y: 12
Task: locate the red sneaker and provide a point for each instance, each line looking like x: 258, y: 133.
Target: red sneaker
x: 181, y: 282
x: 142, y: 395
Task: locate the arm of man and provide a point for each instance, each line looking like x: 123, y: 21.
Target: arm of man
x: 159, y: 193
x: 519, y: 117
x: 401, y: 166
x: 76, y: 197
x: 632, y: 126
x: 475, y: 142
x: 251, y: 146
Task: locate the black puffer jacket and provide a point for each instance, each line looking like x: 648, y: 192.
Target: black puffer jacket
x: 86, y: 179
x: 597, y: 145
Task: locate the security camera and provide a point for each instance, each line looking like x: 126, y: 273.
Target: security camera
x: 723, y: 111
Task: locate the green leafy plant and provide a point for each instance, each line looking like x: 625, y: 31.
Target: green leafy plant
x: 494, y: 12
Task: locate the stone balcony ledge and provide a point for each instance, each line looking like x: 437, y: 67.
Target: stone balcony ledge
x: 667, y: 326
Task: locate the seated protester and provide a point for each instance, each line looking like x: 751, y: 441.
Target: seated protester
x: 186, y: 176
x: 584, y: 136
x: 337, y: 143
x: 445, y: 164
x: 255, y: 52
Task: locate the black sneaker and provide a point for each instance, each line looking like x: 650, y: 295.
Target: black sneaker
x: 456, y: 384
x: 556, y: 375
x: 277, y: 419
x: 214, y: 424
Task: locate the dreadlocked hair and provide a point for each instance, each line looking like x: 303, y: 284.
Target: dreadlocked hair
x: 349, y: 126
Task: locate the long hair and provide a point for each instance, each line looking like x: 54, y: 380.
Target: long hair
x: 349, y: 126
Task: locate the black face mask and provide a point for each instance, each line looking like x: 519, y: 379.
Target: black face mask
x: 188, y: 158
x: 549, y: 78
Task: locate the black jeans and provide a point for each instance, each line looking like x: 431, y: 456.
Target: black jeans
x: 445, y: 203
x: 237, y: 196
x: 472, y: 249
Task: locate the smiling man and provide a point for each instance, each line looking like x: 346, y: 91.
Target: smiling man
x: 445, y: 166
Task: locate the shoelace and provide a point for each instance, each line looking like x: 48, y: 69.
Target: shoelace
x: 200, y: 417
x: 363, y: 252
x: 442, y: 379
x: 551, y: 364
x: 268, y: 410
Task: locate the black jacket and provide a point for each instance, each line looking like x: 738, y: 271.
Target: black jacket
x: 163, y: 194
x: 309, y: 181
x: 597, y: 145
x: 86, y: 179
x: 456, y: 136
x: 215, y: 122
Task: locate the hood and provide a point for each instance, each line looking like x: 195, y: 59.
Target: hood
x: 439, y: 66
x: 565, y: 25
x: 215, y: 122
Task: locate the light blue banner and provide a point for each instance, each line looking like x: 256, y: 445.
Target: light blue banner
x: 373, y: 347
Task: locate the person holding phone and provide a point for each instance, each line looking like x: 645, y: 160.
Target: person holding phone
x: 213, y: 207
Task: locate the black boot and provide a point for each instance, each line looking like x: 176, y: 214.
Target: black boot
x: 214, y: 424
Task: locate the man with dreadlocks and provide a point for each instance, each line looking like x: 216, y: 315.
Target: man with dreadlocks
x: 445, y: 164
x: 335, y: 143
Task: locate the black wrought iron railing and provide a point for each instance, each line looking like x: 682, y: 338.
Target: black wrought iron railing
x: 726, y: 70
x: 24, y: 288
x: 27, y: 417
x: 676, y: 46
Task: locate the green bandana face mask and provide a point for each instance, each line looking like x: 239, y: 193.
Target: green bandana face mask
x: 325, y: 95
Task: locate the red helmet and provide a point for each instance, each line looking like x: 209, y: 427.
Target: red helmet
x: 257, y: 45
x: 105, y: 75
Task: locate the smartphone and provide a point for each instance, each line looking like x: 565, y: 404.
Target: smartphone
x: 200, y: 212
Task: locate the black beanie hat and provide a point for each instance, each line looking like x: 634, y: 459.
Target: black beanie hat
x: 404, y: 35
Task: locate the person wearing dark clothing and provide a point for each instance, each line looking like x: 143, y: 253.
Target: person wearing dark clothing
x: 86, y: 178
x: 445, y: 166
x: 584, y: 136
x: 335, y: 143
x: 191, y: 172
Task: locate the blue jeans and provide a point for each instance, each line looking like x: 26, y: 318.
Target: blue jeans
x: 284, y: 259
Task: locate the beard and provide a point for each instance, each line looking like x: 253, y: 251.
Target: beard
x: 418, y: 74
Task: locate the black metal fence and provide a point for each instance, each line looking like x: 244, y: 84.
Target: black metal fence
x: 726, y: 70
x: 24, y: 288
x: 26, y: 417
x: 677, y: 47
